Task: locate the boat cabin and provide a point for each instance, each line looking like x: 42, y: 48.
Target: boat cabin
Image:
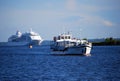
x: 63, y: 37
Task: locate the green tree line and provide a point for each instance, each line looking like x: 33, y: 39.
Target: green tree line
x: 108, y: 41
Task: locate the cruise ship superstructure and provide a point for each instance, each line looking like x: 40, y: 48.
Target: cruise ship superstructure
x: 28, y: 38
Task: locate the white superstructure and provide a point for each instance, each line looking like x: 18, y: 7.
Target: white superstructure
x: 30, y: 37
x: 65, y: 44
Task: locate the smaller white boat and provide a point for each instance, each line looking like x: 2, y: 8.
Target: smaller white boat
x: 65, y: 44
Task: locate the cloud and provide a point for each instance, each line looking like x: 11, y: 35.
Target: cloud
x: 72, y: 14
x: 88, y: 20
x: 79, y: 6
x: 71, y: 5
x: 108, y: 23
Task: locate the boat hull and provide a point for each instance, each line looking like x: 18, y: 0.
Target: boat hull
x: 75, y: 50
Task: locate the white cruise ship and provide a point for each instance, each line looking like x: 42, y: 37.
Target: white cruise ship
x: 28, y: 38
x: 65, y: 44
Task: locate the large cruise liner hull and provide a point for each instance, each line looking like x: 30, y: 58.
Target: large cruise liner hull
x: 16, y: 43
x: 35, y: 42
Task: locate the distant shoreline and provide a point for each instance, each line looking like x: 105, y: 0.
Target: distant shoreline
x: 105, y: 44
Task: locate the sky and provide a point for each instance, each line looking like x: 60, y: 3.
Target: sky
x: 83, y: 18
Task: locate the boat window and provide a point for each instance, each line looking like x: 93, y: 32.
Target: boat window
x: 65, y: 37
x: 67, y: 42
x: 62, y: 37
x: 55, y: 38
x: 58, y: 37
x: 74, y: 43
x: 68, y: 37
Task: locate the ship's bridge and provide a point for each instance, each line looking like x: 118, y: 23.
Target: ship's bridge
x: 63, y: 37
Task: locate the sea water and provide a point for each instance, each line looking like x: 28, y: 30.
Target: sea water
x: 37, y: 64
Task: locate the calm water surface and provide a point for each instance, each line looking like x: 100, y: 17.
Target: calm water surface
x: 36, y: 64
